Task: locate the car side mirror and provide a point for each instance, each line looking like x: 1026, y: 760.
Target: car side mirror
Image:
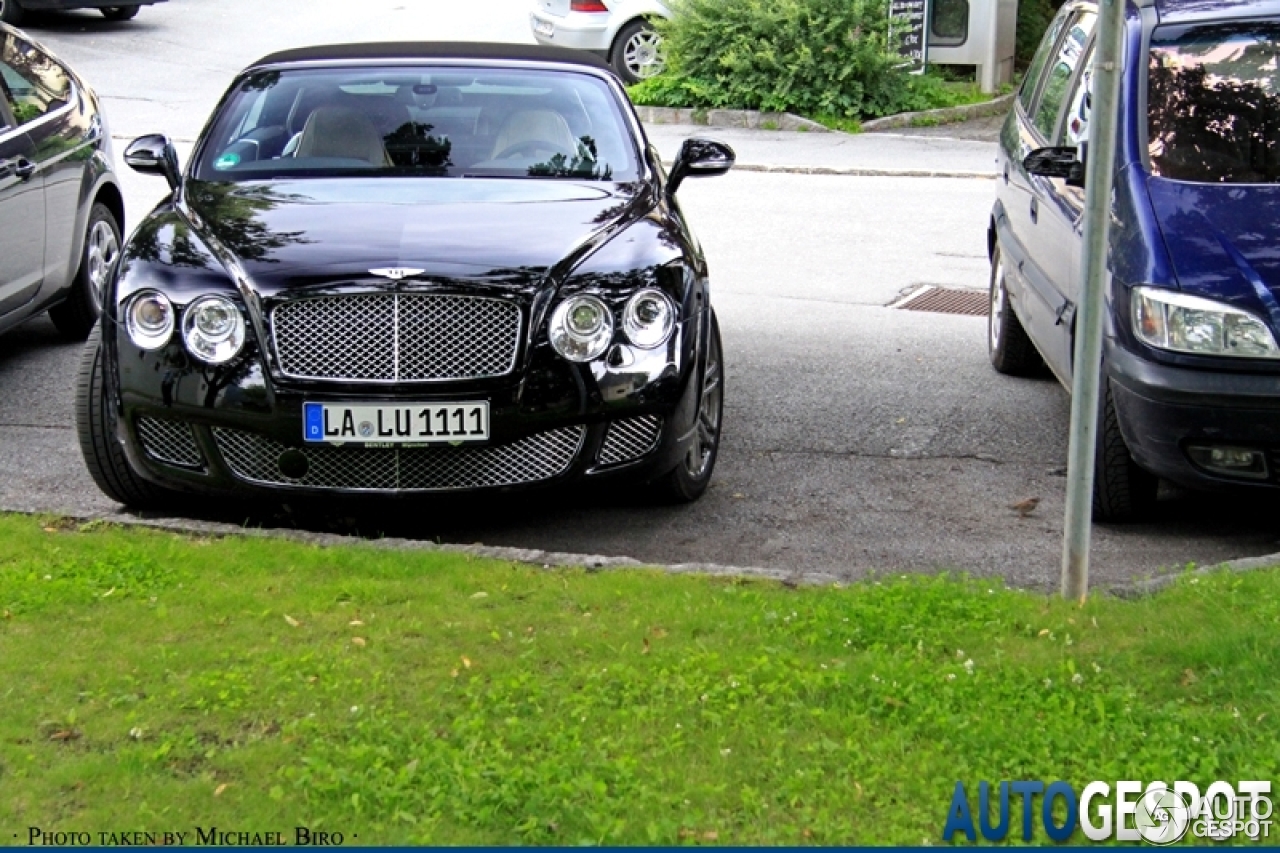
x: 1056, y: 163
x: 699, y: 157
x: 154, y: 155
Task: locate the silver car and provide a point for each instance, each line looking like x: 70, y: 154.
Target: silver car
x: 617, y: 30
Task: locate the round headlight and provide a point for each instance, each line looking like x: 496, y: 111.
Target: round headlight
x: 213, y: 329
x: 581, y: 328
x: 149, y: 319
x: 649, y: 319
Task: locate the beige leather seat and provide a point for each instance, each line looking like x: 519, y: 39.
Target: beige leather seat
x: 342, y: 132
x: 535, y: 126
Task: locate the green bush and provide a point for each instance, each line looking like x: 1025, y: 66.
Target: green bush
x: 1033, y: 20
x: 813, y: 57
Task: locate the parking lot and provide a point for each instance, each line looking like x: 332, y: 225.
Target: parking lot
x: 858, y: 437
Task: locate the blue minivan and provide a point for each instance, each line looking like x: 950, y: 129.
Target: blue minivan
x: 1191, y: 365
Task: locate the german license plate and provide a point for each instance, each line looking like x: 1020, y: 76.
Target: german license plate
x: 544, y: 28
x: 403, y: 423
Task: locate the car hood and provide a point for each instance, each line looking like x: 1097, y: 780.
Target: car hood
x: 1223, y: 240
x: 288, y: 235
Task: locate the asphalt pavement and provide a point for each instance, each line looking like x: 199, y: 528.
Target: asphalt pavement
x: 859, y: 438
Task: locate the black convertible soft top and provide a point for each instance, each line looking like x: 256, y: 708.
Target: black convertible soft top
x: 434, y: 50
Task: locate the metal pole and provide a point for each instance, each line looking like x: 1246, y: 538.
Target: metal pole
x: 1085, y: 384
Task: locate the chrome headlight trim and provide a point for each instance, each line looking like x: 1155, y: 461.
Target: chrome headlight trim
x: 649, y: 318
x: 1178, y: 322
x: 581, y: 328
x: 214, y: 329
x: 149, y: 319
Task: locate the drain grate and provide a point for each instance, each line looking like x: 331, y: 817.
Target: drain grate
x: 945, y: 300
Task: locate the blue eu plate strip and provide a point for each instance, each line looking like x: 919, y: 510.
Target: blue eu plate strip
x: 313, y: 421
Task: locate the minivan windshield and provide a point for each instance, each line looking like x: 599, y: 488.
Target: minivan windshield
x: 1213, y: 112
x: 428, y: 121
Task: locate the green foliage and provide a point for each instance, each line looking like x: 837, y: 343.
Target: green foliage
x: 803, y: 56
x: 1033, y: 19
x: 426, y: 697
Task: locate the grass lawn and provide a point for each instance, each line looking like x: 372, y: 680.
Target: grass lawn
x: 150, y: 681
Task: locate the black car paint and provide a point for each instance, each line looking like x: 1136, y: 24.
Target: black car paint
x: 1160, y: 236
x: 44, y: 216
x: 530, y: 241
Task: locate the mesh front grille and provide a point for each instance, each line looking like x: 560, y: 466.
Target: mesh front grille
x: 390, y: 337
x: 170, y: 442
x: 538, y: 457
x: 630, y: 439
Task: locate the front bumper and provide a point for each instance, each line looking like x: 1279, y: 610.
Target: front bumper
x: 1163, y: 409
x: 577, y: 30
x: 239, y: 430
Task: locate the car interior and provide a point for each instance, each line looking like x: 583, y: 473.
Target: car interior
x: 483, y: 124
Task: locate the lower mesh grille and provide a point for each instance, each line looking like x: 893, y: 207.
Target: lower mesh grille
x: 630, y: 439
x: 537, y: 457
x: 171, y: 442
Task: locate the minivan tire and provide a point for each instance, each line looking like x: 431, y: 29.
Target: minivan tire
x: 98, y: 257
x: 1122, y: 491
x: 10, y: 12
x: 1008, y: 344
x: 119, y: 13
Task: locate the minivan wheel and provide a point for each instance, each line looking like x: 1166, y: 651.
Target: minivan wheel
x: 1008, y: 344
x: 78, y: 314
x: 10, y: 12
x: 96, y: 429
x: 1122, y: 491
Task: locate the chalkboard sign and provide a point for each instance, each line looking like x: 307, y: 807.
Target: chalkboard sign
x: 909, y: 32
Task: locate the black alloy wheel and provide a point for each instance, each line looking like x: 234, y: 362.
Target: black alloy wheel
x: 1008, y: 345
x: 120, y: 13
x: 96, y: 429
x: 688, y: 480
x: 75, y: 317
x: 10, y: 12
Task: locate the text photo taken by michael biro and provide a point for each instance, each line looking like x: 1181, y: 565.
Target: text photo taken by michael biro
x: 639, y: 423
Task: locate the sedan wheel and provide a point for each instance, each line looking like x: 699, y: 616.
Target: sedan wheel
x: 119, y: 13
x: 637, y: 53
x: 688, y: 480
x: 76, y: 316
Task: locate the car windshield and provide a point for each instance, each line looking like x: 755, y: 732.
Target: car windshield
x: 425, y: 121
x: 1214, y: 102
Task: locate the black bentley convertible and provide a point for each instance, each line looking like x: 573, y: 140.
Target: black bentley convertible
x: 409, y: 268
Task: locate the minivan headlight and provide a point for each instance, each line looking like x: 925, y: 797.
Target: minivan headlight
x: 213, y: 329
x: 1180, y: 323
x: 581, y: 328
x: 149, y: 319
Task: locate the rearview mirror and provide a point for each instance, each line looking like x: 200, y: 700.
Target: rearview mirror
x: 700, y: 157
x: 1056, y: 163
x: 154, y: 155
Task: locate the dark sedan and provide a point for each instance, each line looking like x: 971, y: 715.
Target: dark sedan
x: 415, y: 268
x: 60, y: 207
x: 13, y: 11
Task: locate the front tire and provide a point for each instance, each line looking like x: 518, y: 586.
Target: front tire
x: 120, y: 13
x: 637, y: 52
x: 76, y: 316
x: 1008, y: 344
x: 689, y: 479
x: 1122, y: 491
x: 96, y: 429
x: 10, y: 12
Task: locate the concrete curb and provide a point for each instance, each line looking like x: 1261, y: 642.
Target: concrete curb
x: 750, y: 119
x: 530, y: 556
x: 857, y: 172
x: 947, y: 115
x: 590, y: 562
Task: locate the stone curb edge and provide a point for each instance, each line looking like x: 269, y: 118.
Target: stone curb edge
x: 590, y: 562
x: 946, y: 115
x: 749, y: 119
x: 530, y: 556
